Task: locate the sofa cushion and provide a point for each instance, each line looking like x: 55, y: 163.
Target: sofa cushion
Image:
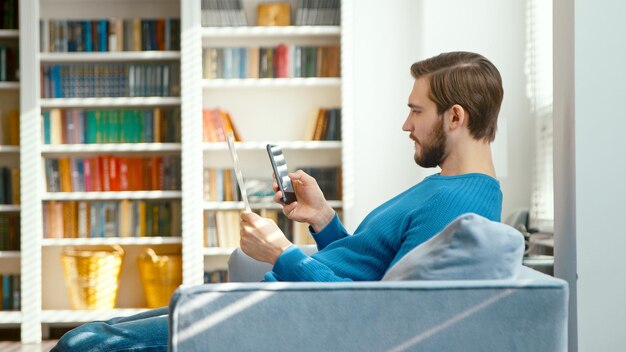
x: 469, y: 248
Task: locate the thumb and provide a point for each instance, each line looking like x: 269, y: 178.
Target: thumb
x: 300, y: 176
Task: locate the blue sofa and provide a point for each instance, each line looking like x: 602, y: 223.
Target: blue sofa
x: 528, y: 313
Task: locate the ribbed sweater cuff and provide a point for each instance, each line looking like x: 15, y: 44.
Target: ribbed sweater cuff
x: 288, y: 261
x: 329, y: 234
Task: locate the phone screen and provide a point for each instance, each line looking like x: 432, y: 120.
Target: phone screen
x: 279, y: 165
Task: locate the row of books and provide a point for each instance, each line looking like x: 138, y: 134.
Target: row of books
x: 318, y: 13
x: 9, y: 185
x: 9, y: 64
x: 9, y: 231
x: 102, y: 35
x: 10, y: 292
x: 9, y: 127
x: 329, y: 180
x: 9, y: 14
x: 221, y: 185
x: 110, y: 80
x: 215, y: 276
x: 323, y: 125
x: 78, y: 126
x: 112, y: 173
x: 281, y: 61
x: 216, y: 125
x: 222, y: 227
x: 222, y: 13
x: 125, y: 218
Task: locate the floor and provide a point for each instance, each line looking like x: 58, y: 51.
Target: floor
x: 16, y: 346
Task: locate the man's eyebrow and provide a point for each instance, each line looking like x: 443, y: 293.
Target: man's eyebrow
x: 413, y: 106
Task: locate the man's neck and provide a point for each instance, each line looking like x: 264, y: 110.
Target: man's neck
x: 471, y: 157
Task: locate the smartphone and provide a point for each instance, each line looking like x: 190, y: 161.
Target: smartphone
x: 280, y: 172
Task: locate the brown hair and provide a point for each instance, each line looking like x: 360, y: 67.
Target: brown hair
x: 467, y: 79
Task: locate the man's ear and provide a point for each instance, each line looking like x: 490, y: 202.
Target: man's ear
x: 457, y: 117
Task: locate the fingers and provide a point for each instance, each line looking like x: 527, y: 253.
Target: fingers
x: 288, y: 208
x: 249, y: 217
x: 278, y: 197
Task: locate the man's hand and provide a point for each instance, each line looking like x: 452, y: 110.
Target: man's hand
x: 261, y: 238
x: 311, y: 206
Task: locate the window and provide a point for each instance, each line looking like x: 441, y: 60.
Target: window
x: 539, y: 91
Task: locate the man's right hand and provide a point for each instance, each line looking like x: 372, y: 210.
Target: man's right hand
x: 311, y: 206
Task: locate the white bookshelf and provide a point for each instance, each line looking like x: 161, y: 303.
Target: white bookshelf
x: 122, y: 102
x: 271, y: 82
x: 9, y: 149
x: 255, y: 206
x: 124, y: 241
x: 64, y: 196
x: 10, y: 317
x: 275, y: 111
x: 9, y: 254
x: 9, y: 33
x: 286, y: 145
x: 8, y: 208
x: 124, y: 56
x: 270, y: 32
x: 69, y: 149
x: 9, y: 86
x: 264, y: 110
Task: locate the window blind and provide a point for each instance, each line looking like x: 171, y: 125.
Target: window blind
x: 538, y: 70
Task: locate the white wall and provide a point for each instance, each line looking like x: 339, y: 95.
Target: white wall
x: 599, y: 188
x: 388, y: 38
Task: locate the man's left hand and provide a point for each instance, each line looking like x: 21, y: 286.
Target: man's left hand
x: 261, y: 238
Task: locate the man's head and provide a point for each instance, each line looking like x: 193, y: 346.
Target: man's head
x: 452, y: 91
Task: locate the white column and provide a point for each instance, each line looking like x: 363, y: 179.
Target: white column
x: 30, y: 173
x: 191, y: 139
x: 590, y: 140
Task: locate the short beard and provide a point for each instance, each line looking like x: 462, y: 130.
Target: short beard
x: 433, y: 153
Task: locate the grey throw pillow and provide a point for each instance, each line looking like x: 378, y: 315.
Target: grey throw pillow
x: 469, y: 248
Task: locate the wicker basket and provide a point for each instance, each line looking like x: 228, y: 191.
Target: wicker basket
x: 160, y: 275
x: 92, y: 275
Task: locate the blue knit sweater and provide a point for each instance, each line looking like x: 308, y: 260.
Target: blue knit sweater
x: 390, y: 231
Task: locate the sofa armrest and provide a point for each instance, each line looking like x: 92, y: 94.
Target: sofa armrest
x: 478, y: 315
x: 242, y: 268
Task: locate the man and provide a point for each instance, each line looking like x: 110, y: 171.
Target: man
x: 453, y: 110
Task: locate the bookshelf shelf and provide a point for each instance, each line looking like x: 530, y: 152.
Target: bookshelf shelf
x: 271, y: 32
x: 82, y: 149
x: 126, y: 241
x: 9, y: 254
x: 10, y: 317
x: 129, y: 56
x: 9, y: 149
x: 109, y: 102
x: 211, y: 251
x: 8, y: 208
x: 264, y: 205
x: 64, y: 196
x: 286, y: 145
x: 271, y: 82
x: 82, y: 316
x: 9, y: 86
x: 9, y: 33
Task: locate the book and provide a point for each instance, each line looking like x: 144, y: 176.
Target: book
x: 273, y: 14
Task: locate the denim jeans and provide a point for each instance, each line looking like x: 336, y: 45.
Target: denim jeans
x: 145, y: 331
